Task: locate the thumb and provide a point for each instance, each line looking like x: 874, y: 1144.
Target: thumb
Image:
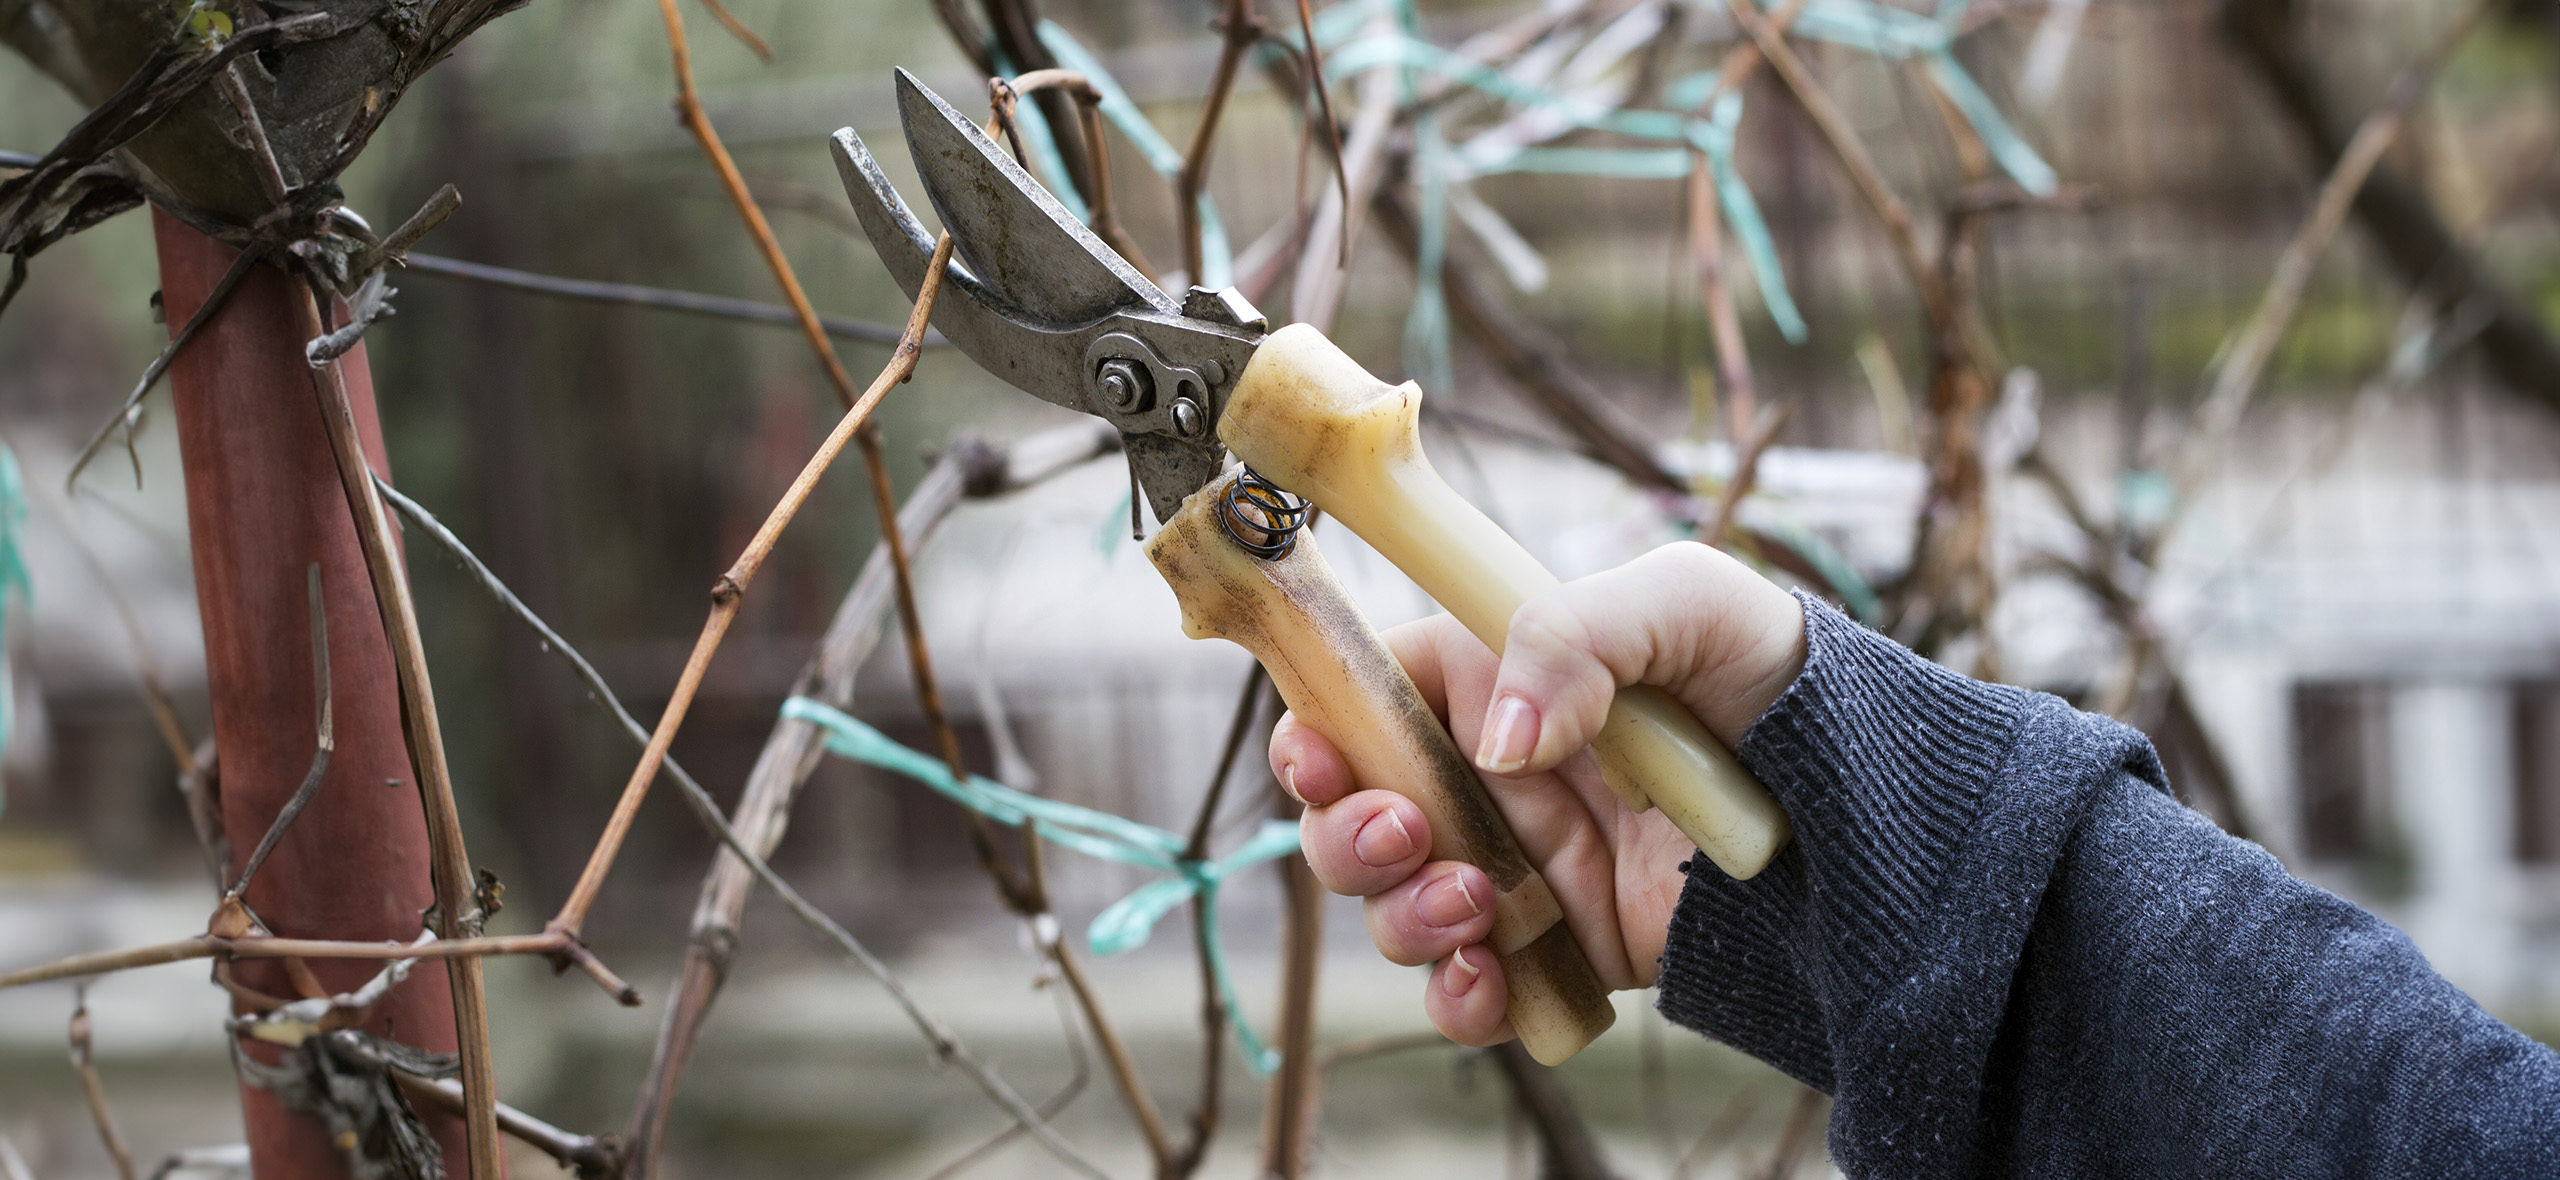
x: 1686, y: 618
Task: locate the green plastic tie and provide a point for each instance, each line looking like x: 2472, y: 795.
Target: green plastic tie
x: 1712, y: 134
x: 1125, y: 924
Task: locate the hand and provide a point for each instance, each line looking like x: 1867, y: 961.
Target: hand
x: 1720, y: 638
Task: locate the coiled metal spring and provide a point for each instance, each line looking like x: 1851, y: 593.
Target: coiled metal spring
x: 1259, y: 517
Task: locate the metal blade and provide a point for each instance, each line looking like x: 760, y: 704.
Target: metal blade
x: 1025, y: 247
x: 1047, y: 365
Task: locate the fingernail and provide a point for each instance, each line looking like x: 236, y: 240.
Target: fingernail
x: 1382, y: 841
x: 1510, y: 737
x: 1461, y: 975
x: 1289, y: 783
x: 1448, y: 902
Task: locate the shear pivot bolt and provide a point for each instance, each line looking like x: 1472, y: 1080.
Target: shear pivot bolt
x: 1187, y: 419
x: 1126, y: 386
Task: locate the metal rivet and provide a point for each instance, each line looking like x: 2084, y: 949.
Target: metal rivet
x: 1125, y: 386
x: 1215, y: 372
x: 1187, y: 419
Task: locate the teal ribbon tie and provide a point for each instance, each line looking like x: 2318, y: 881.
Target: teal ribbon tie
x: 1125, y: 924
x: 1896, y: 35
x: 1712, y: 134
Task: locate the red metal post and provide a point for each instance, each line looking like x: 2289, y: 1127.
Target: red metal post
x: 263, y: 502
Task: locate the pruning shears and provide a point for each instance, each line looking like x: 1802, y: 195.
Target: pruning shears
x: 1036, y: 298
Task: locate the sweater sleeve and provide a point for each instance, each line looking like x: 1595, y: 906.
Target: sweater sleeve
x: 2005, y: 950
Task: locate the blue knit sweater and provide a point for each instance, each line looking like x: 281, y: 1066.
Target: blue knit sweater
x: 2006, y: 951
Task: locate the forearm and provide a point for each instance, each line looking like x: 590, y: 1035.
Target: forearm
x: 2003, y: 948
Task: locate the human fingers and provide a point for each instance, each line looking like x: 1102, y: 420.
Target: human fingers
x: 1365, y: 844
x: 1309, y: 766
x: 1431, y: 913
x: 1685, y: 617
x: 1467, y: 998
x: 1452, y: 668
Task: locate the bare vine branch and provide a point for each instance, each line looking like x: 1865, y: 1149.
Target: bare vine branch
x: 731, y: 589
x: 95, y: 1091
x: 457, y: 909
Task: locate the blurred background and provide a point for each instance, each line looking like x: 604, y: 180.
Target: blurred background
x: 2348, y: 629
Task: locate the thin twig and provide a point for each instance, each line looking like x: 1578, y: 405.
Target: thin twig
x: 1289, y: 1109
x: 1852, y: 153
x: 738, y: 29
x: 103, y: 962
x: 1795, y: 1135
x: 1018, y: 893
x: 1239, y: 727
x: 1080, y: 1075
x: 1745, y: 58
x: 1564, y: 1137
x: 1324, y: 112
x: 591, y: 1157
x: 1735, y: 387
x: 203, y: 946
x: 13, y: 1166
x: 1750, y: 444
x: 696, y: 120
x: 1356, y: 1049
x: 1213, y: 1007
x: 1026, y: 895
x: 456, y: 912
x: 1106, y: 214
x: 732, y: 588
x: 326, y: 744
x: 1186, y: 1158
x: 762, y: 813
x: 443, y: 204
x: 1015, y: 25
x: 261, y: 153
x: 1718, y: 1135
x: 1324, y: 259
x: 1533, y: 360
x: 1241, y: 28
x: 2236, y: 374
x: 633, y: 295
x: 1115, y: 1051
x: 94, y: 1090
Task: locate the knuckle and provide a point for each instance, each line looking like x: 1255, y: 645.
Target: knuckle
x: 1687, y: 559
x: 1555, y: 637
x: 1385, y: 934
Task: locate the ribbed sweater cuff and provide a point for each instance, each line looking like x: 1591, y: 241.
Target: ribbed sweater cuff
x: 1881, y: 760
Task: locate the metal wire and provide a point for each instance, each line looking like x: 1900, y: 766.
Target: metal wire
x: 1260, y: 517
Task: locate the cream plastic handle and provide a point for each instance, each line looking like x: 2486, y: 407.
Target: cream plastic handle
x: 1335, y: 674
x: 1309, y: 418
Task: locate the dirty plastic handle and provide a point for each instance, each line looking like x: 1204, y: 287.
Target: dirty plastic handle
x: 1337, y: 677
x: 1307, y: 417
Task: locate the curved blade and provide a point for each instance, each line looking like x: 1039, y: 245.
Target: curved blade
x: 1044, y: 364
x: 1024, y: 246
